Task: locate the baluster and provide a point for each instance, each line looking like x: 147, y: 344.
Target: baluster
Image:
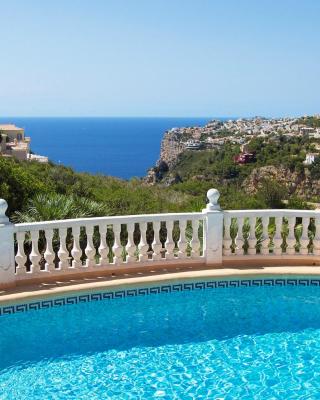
x: 277, y: 239
x: 90, y: 250
x: 49, y: 254
x: 117, y: 247
x: 21, y: 257
x: 35, y: 255
x: 252, y: 240
x: 316, y: 240
x: 103, y: 247
x: 239, y: 241
x: 227, y: 241
x: 304, y: 240
x: 63, y: 252
x: 76, y: 249
x: 169, y: 244
x: 195, y: 242
x: 156, y: 244
x: 130, y: 247
x: 182, y: 243
x: 291, y: 239
x: 143, y: 245
x: 265, y: 236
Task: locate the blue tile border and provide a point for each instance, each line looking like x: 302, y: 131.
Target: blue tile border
x: 167, y: 288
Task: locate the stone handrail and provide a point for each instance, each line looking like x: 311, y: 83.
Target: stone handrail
x: 82, y: 247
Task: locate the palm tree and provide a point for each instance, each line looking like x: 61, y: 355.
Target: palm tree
x: 52, y: 206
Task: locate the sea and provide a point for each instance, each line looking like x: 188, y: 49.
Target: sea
x: 121, y: 147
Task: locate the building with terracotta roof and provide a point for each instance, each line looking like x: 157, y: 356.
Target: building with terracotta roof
x: 14, y: 143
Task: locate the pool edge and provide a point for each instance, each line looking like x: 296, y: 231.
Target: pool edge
x: 33, y: 292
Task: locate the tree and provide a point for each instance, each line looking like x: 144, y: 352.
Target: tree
x: 315, y: 168
x: 272, y: 193
x: 52, y: 206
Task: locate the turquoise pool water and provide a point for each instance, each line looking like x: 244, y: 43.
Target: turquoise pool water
x: 224, y: 343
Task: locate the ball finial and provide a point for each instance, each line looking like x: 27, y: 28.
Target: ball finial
x: 3, y: 208
x: 213, y: 197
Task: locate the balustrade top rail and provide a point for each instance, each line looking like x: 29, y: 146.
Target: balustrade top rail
x: 127, y: 219
x: 123, y: 219
x: 272, y: 213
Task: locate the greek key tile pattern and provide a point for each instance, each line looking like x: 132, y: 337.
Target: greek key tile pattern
x: 177, y: 287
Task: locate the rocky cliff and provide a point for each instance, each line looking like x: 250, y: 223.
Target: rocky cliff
x: 172, y: 145
x: 301, y: 185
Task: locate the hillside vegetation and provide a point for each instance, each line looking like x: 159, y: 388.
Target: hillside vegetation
x: 47, y: 191
x: 197, y: 170
x: 38, y: 191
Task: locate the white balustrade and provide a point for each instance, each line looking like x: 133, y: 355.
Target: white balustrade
x: 227, y: 242
x: 291, y: 239
x: 117, y: 247
x: 169, y: 244
x: 43, y: 248
x: 277, y: 238
x: 103, y: 248
x: 143, y: 245
x: 76, y: 252
x: 262, y: 223
x: 20, y: 257
x: 252, y: 240
x: 49, y: 255
x: 63, y: 252
x: 156, y: 244
x: 304, y: 240
x: 195, y: 242
x: 265, y: 236
x: 182, y: 243
x: 239, y: 240
x: 90, y: 250
x: 316, y: 239
x: 130, y: 247
x: 35, y: 256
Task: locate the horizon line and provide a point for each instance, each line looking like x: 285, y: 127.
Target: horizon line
x: 155, y: 116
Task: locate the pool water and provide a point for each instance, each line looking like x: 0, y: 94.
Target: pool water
x: 226, y: 343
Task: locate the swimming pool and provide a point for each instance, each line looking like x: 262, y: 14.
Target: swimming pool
x: 230, y: 339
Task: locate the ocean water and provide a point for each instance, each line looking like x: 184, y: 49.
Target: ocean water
x: 224, y: 343
x: 122, y: 147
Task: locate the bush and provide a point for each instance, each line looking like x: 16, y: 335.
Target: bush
x: 272, y: 193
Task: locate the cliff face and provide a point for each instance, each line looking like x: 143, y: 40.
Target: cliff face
x: 299, y: 184
x: 171, y: 147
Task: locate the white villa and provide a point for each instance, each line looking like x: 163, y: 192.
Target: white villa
x: 14, y: 143
x: 310, y: 157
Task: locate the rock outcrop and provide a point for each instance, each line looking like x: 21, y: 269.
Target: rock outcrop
x: 171, y: 147
x: 299, y: 184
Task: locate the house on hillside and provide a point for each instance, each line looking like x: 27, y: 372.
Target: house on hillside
x: 14, y: 143
x: 245, y: 158
x: 193, y: 145
x: 310, y: 157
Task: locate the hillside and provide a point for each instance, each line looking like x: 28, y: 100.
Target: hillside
x: 278, y: 166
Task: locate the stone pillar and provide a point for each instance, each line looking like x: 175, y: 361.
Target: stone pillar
x: 7, y: 263
x: 213, y: 229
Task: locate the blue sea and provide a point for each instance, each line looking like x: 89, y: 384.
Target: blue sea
x: 122, y: 147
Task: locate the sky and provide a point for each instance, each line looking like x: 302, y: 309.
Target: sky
x: 159, y: 58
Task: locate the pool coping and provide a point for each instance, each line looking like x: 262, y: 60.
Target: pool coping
x: 33, y: 292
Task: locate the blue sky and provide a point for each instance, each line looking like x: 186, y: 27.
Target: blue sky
x: 159, y: 57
